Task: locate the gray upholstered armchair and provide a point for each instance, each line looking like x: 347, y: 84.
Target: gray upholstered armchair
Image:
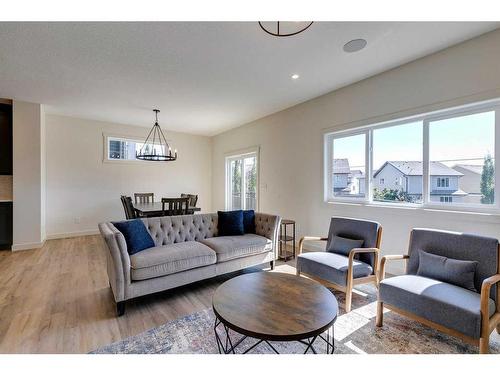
x: 450, y: 285
x: 351, y: 256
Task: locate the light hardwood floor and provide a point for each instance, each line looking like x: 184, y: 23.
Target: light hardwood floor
x: 57, y: 299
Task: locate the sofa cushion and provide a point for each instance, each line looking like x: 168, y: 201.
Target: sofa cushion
x: 165, y: 260
x: 331, y: 267
x: 230, y: 223
x: 136, y: 235
x: 442, y: 303
x: 232, y: 247
x: 249, y: 221
x: 457, y: 272
x: 343, y: 245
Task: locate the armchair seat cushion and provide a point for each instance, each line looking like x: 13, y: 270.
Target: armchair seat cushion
x: 232, y: 247
x: 442, y: 303
x: 331, y: 267
x: 168, y: 259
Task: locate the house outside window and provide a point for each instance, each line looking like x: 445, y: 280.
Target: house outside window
x: 445, y: 157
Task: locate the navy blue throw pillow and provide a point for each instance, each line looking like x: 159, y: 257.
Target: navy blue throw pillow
x: 249, y: 221
x: 136, y: 235
x: 230, y: 223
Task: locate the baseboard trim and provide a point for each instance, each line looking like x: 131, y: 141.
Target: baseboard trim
x: 27, y: 246
x: 57, y: 236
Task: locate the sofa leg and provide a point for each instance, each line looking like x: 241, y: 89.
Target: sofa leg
x: 484, y: 345
x: 271, y: 264
x: 380, y: 314
x: 120, y: 308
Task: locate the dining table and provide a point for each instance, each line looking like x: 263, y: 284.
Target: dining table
x: 155, y: 209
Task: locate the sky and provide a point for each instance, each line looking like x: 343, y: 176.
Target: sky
x: 468, y: 137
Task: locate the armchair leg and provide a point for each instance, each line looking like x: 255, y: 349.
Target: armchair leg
x: 380, y: 314
x: 484, y: 345
x: 348, y: 299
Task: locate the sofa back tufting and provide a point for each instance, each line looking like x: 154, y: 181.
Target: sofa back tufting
x: 167, y: 230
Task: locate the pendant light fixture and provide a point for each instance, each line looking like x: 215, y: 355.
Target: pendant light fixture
x: 156, y: 147
x: 282, y: 29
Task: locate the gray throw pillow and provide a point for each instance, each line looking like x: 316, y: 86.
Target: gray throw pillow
x: 453, y: 271
x: 342, y: 245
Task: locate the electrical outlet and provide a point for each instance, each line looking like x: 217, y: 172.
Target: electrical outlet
x: 77, y: 220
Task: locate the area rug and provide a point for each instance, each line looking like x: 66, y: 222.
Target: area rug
x: 354, y: 332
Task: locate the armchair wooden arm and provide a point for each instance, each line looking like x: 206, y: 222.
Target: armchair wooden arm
x: 488, y: 323
x: 385, y: 259
x: 360, y: 250
x: 485, y: 294
x: 309, y: 238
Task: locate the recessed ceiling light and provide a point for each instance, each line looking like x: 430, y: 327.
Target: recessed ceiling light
x: 295, y: 76
x: 355, y: 45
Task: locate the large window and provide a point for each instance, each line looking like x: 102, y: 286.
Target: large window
x: 118, y: 148
x: 442, y: 159
x: 348, y: 168
x: 462, y: 159
x: 397, y: 163
x: 242, y: 181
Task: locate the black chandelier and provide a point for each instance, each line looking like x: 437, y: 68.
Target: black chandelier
x: 281, y: 29
x: 156, y: 147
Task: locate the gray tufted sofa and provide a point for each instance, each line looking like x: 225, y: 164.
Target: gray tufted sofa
x: 187, y: 249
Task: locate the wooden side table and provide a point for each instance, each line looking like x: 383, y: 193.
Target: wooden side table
x: 285, y: 238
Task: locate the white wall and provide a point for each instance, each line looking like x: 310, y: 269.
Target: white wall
x: 82, y: 190
x: 28, y: 176
x: 291, y: 141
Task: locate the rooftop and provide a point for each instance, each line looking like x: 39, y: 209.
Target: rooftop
x: 414, y: 168
x: 478, y: 169
x: 341, y: 166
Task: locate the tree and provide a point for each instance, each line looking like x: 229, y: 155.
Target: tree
x: 236, y: 176
x: 488, y: 181
x: 252, y: 178
x: 391, y: 195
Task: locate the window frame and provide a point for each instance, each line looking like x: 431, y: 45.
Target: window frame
x: 121, y: 137
x: 426, y: 119
x: 241, y: 154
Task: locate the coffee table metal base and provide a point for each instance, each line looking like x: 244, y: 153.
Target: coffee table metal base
x: 226, y: 346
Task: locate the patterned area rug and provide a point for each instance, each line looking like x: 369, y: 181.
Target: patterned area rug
x: 354, y: 332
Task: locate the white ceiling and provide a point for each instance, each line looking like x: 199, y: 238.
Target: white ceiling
x: 206, y: 77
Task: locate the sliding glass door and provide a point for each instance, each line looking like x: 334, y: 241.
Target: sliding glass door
x: 241, y: 182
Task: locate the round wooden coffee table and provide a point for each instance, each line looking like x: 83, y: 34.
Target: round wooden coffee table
x: 272, y: 306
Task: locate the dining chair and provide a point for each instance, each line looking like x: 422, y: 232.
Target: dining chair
x: 144, y: 197
x: 175, y: 206
x: 128, y: 207
x: 193, y: 199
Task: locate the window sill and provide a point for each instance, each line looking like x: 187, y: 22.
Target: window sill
x: 491, y: 215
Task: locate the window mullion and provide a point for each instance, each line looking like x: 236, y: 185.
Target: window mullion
x: 425, y: 163
x: 369, y: 166
x: 497, y: 153
x: 243, y: 183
